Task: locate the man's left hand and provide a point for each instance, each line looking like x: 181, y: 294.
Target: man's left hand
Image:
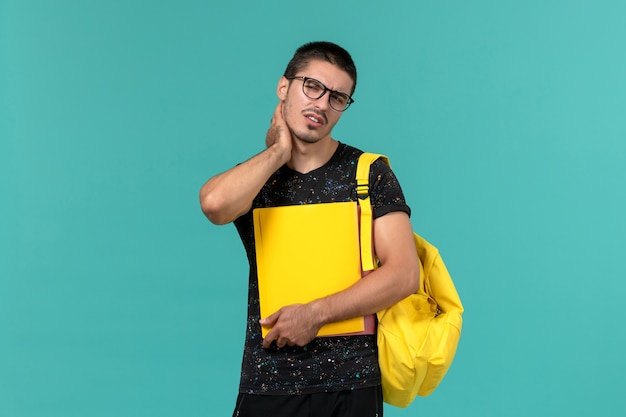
x: 290, y: 326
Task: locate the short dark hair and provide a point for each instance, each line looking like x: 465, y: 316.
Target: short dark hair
x: 323, y: 51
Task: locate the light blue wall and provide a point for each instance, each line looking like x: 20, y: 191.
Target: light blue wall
x: 505, y: 122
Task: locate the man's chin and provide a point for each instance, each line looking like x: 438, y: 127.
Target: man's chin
x: 309, y: 140
x: 307, y: 137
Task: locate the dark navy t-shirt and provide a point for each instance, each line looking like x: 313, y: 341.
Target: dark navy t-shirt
x: 326, y: 363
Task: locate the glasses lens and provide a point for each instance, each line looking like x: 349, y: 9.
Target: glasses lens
x: 339, y: 101
x: 313, y: 88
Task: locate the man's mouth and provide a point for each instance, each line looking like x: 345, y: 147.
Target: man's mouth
x: 315, y: 117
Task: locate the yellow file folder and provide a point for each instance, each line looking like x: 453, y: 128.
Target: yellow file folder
x: 306, y: 252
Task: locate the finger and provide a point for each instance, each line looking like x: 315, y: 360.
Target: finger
x: 269, y: 338
x: 278, y: 113
x: 265, y: 326
x: 270, y: 320
x: 281, y: 342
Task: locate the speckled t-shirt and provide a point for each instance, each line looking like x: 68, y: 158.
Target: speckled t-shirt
x: 327, y: 363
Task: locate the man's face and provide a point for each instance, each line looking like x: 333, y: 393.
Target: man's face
x: 311, y: 120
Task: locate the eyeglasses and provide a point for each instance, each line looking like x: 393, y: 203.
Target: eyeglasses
x: 314, y: 89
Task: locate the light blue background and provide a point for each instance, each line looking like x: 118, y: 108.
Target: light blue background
x: 505, y: 122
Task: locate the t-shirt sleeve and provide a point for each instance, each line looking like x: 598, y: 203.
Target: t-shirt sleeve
x: 386, y: 193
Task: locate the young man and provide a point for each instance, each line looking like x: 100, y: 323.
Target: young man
x: 291, y: 372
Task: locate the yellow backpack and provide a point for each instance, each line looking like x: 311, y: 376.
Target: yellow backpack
x: 418, y: 336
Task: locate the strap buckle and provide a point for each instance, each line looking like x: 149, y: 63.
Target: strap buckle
x: 362, y: 190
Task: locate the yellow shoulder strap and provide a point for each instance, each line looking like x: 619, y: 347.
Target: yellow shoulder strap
x: 363, y: 197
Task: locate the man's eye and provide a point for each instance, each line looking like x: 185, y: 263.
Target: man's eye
x: 339, y: 98
x: 314, y: 87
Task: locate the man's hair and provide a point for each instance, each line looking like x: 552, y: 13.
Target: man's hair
x: 323, y: 51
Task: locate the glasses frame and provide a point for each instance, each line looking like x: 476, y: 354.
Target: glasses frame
x: 326, y: 89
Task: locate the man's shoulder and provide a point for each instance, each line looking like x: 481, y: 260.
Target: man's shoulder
x: 353, y: 153
x: 347, y: 152
x: 349, y: 149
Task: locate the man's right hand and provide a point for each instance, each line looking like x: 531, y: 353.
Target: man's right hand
x: 228, y: 195
x: 278, y: 134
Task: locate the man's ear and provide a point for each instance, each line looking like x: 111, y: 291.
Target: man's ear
x: 282, y: 87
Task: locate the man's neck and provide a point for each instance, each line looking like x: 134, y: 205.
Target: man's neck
x: 306, y: 157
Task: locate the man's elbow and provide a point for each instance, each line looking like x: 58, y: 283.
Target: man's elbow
x: 213, y: 209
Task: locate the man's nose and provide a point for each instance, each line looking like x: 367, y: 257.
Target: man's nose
x: 323, y: 102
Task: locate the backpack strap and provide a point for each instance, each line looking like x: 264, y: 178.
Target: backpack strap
x: 363, y: 198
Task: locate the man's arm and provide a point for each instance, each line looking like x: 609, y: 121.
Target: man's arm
x: 227, y: 196
x: 396, y: 278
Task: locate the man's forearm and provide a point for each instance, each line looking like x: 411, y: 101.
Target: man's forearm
x: 397, y: 277
x: 227, y: 196
x: 375, y: 292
